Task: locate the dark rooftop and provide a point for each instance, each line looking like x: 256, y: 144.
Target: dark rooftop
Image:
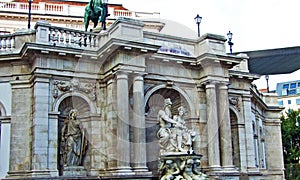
x: 274, y: 61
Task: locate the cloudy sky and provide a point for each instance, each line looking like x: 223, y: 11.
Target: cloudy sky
x: 255, y: 24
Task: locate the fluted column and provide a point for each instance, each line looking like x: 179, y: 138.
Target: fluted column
x: 123, y: 144
x: 212, y: 127
x: 139, y: 134
x: 225, y: 128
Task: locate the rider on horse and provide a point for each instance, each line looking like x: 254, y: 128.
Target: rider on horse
x: 93, y: 12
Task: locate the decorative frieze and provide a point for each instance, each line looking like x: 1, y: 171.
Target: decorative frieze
x: 87, y: 87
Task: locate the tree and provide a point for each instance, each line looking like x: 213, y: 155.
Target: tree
x: 290, y: 129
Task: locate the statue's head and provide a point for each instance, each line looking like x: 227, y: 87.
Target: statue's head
x: 73, y: 113
x: 168, y: 101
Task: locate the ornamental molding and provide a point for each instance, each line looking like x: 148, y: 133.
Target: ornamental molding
x: 87, y: 87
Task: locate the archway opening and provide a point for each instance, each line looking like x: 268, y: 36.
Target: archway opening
x: 153, y: 105
x: 235, y: 138
x: 71, y: 102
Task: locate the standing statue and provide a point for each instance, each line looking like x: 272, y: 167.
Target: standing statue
x: 173, y: 135
x: 74, y: 142
x: 93, y: 12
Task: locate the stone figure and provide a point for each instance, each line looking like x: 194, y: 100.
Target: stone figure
x: 93, y: 12
x: 170, y: 170
x: 184, y: 136
x: 73, y: 141
x: 173, y: 135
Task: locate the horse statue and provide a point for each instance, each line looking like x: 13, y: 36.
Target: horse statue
x: 93, y: 11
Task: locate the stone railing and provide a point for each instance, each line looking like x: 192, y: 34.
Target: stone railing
x: 44, y: 33
x: 65, y: 9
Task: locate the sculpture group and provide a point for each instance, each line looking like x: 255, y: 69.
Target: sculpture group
x: 177, y: 160
x: 173, y: 135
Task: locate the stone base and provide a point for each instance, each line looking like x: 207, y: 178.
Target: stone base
x: 74, y: 171
x: 181, y: 166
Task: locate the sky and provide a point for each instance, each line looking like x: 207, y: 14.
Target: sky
x: 255, y: 24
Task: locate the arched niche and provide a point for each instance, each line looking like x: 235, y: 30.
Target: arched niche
x: 65, y: 105
x: 235, y: 136
x: 154, y: 101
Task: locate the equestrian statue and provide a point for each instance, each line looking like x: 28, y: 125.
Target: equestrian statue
x: 95, y: 11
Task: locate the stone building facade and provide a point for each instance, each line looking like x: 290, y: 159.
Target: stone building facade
x: 118, y: 80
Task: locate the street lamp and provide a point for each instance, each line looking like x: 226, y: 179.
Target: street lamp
x: 267, y: 79
x: 105, y: 14
x: 198, y: 21
x: 230, y: 43
x: 29, y: 12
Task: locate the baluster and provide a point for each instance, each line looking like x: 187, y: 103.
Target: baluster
x: 67, y: 37
x: 84, y: 38
x: 56, y: 36
x: 50, y: 35
x: 0, y: 43
x: 72, y: 38
x: 77, y: 39
x: 90, y: 40
x: 62, y: 38
x: 8, y: 46
x: 4, y: 43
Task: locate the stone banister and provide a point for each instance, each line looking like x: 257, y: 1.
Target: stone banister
x: 45, y: 33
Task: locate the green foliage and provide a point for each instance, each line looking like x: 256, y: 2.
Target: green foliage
x: 290, y: 129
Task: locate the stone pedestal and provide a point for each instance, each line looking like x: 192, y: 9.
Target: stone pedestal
x: 74, y: 171
x: 180, y: 166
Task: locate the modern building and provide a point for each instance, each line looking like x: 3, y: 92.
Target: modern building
x: 289, y: 94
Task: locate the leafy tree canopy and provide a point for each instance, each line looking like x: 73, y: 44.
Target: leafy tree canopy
x: 290, y: 129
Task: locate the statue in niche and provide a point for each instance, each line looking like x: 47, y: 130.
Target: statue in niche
x: 73, y: 141
x: 173, y: 135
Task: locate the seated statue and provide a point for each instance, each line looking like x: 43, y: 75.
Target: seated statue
x: 173, y: 135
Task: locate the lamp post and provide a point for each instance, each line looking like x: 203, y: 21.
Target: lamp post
x: 230, y: 43
x: 29, y: 12
x: 105, y: 14
x: 198, y: 21
x: 267, y: 79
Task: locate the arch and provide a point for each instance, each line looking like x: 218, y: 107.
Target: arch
x: 180, y: 91
x: 2, y: 110
x: 235, y: 136
x: 60, y: 99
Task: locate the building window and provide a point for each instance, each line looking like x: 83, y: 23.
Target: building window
x: 280, y: 103
x: 285, y: 86
x: 298, y: 84
x: 289, y: 101
x: 293, y: 85
x: 293, y: 91
x: 298, y: 101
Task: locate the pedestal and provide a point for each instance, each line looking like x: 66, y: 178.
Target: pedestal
x: 74, y: 171
x: 180, y: 166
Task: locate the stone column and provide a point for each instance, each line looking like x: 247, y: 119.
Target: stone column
x: 212, y: 127
x: 249, y: 132
x: 225, y: 128
x: 123, y: 144
x: 139, y: 134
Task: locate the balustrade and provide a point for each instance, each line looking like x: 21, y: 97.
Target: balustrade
x: 7, y: 42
